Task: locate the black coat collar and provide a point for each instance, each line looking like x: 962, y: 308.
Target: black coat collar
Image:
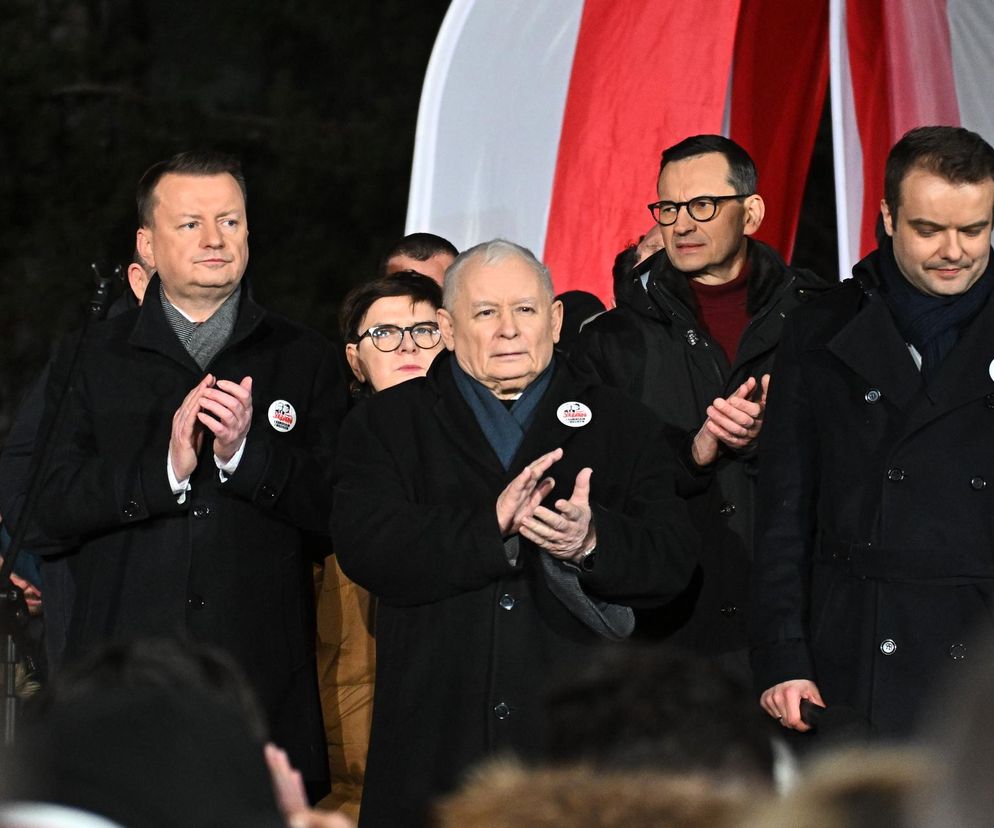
x: 153, y: 332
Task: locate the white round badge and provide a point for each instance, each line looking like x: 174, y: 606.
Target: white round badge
x: 282, y: 417
x: 574, y: 414
x: 990, y: 369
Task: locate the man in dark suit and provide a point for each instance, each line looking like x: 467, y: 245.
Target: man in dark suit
x: 874, y: 530
x: 507, y: 514
x: 193, y: 463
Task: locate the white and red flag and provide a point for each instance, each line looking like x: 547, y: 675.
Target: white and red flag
x: 542, y: 121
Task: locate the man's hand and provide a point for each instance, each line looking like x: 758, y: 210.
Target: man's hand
x: 187, y: 433
x: 783, y: 702
x: 523, y: 494
x: 567, y: 532
x: 734, y: 421
x: 227, y: 413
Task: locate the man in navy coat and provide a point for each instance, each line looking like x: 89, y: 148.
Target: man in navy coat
x: 875, y: 538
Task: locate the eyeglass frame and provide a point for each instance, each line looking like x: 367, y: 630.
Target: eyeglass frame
x: 717, y: 199
x: 408, y: 330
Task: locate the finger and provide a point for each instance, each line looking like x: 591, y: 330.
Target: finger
x: 237, y: 390
x: 548, y: 522
x: 765, y: 386
x: 540, y: 466
x: 744, y: 390
x: 718, y: 424
x: 742, y: 411
x: 581, y: 488
x: 216, y: 427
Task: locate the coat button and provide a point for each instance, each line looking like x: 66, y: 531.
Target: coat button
x: 195, y: 602
x: 728, y: 610
x: 977, y: 483
x: 130, y: 509
x: 502, y: 711
x: 201, y: 512
x: 267, y: 491
x: 989, y: 399
x: 957, y: 652
x: 888, y: 646
x: 873, y: 395
x: 727, y: 509
x: 895, y: 475
x: 506, y: 602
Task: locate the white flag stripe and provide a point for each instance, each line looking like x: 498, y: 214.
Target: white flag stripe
x: 971, y: 32
x: 490, y: 120
x: 847, y: 154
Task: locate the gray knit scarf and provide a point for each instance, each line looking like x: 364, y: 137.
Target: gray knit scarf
x: 203, y: 340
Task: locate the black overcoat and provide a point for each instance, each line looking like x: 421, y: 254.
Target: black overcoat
x: 464, y: 640
x: 229, y: 566
x: 875, y: 527
x: 654, y: 348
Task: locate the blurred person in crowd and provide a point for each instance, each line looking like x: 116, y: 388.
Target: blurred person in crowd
x: 194, y: 462
x: 509, y: 795
x: 873, y: 564
x: 390, y: 328
x: 695, y: 341
x: 423, y: 253
x: 658, y: 708
x: 506, y: 514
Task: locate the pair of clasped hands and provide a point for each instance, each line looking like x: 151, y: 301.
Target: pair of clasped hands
x: 565, y: 532
x: 222, y: 407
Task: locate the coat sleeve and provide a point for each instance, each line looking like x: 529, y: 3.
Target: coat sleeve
x: 293, y: 482
x: 785, y: 525
x: 84, y: 491
x: 646, y: 548
x: 403, y: 552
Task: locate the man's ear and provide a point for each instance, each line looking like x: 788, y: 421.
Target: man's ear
x: 138, y: 279
x: 352, y: 357
x: 755, y: 210
x: 557, y: 320
x: 143, y: 241
x: 888, y: 218
x: 445, y: 327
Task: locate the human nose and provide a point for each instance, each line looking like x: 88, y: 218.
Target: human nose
x: 508, y: 327
x: 684, y: 221
x: 211, y: 236
x: 407, y: 343
x: 951, y: 248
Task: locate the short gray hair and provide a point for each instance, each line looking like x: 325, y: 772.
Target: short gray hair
x: 491, y: 253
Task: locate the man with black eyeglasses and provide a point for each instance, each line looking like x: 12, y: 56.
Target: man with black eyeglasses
x: 695, y: 341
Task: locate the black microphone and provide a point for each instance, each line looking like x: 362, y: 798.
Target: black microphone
x: 100, y: 301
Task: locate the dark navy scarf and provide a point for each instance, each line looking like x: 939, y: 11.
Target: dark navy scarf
x: 932, y: 324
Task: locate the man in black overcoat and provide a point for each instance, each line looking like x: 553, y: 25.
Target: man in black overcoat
x: 874, y: 562
x: 192, y: 466
x: 507, y: 514
x: 694, y: 338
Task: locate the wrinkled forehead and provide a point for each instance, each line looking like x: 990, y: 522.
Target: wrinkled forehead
x: 509, y: 279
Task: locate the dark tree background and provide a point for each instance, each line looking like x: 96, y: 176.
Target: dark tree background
x: 319, y: 98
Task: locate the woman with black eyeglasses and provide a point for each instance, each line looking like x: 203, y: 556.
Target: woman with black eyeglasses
x: 391, y: 333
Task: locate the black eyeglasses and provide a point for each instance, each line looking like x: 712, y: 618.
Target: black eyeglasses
x: 702, y: 208
x: 388, y: 338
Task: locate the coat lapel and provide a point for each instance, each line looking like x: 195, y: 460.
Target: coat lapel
x: 153, y: 333
x: 964, y: 375
x: 872, y: 347
x: 547, y: 431
x: 458, y: 420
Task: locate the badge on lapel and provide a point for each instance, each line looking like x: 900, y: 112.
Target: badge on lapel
x: 282, y: 416
x: 574, y: 414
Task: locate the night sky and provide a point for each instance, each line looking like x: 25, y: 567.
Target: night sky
x: 319, y: 98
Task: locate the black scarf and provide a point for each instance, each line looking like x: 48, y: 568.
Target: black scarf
x: 932, y: 324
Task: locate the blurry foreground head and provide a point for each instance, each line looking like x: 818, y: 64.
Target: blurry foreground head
x: 661, y: 709
x: 150, y: 733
